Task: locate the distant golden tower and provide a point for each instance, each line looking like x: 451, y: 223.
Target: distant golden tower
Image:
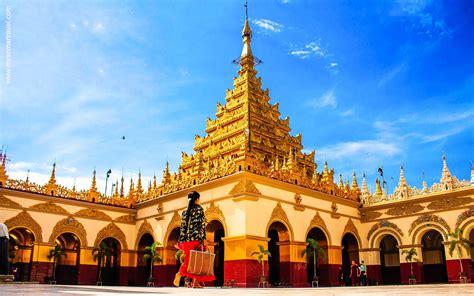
x: 3, y: 170
x: 51, y: 187
x: 93, y: 195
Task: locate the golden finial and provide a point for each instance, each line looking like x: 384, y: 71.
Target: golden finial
x: 116, y: 192
x: 154, y: 182
x: 94, y: 181
x: 139, y: 190
x: 355, y: 186
x: 341, y: 184
x: 93, y: 194
x: 52, y: 188
x: 446, y: 180
x: 3, y: 169
x: 378, y: 189
x: 122, y: 194
x: 425, y: 187
x: 131, y: 191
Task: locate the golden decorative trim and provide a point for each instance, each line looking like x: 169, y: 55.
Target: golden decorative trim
x: 298, y: 200
x: 8, y: 203
x: 24, y: 219
x: 449, y: 203
x: 126, y: 219
x: 384, y: 224
x: 49, y: 207
x: 71, y: 225
x: 369, y: 216
x: 279, y: 214
x: 245, y: 197
x: 318, y: 222
x: 244, y: 187
x: 244, y: 237
x: 111, y: 230
x: 464, y: 216
x: 93, y: 213
x: 214, y: 212
x: 351, y: 228
x: 145, y: 228
x: 404, y: 210
x: 426, y: 219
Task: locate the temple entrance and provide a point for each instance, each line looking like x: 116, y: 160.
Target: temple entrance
x: 111, y: 265
x: 172, y: 263
x: 350, y: 252
x: 390, y: 261
x: 322, y: 267
x: 68, y: 266
x: 214, y: 235
x: 143, y: 268
x: 434, y: 258
x: 21, y: 250
x: 278, y: 246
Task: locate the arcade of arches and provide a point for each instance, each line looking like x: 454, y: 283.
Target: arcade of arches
x: 258, y: 187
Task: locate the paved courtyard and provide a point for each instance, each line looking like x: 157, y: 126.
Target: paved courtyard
x: 28, y: 289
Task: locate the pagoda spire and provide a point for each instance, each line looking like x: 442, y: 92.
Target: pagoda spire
x: 378, y: 188
x: 355, y: 187
x: 365, y: 194
x: 3, y: 169
x: 425, y: 187
x: 139, y: 190
x: 121, y: 188
x: 116, y: 192
x: 52, y: 187
x: 341, y: 184
x: 446, y: 180
x: 402, y: 190
x: 93, y: 194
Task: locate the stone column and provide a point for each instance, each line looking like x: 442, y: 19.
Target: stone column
x: 405, y: 267
x: 454, y: 263
x: 371, y: 258
x: 239, y: 264
x: 41, y: 267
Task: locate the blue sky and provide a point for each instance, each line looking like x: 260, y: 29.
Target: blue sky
x: 367, y: 83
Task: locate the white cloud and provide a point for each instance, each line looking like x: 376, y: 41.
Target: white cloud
x: 391, y: 74
x: 346, y: 113
x: 268, y: 25
x: 378, y: 147
x: 328, y: 99
x: 98, y: 28
x: 310, y: 49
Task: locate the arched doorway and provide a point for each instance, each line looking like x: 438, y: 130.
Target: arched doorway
x: 390, y: 260
x: 111, y: 264
x: 278, y: 263
x: 143, y: 268
x: 350, y: 252
x: 214, y: 235
x: 322, y: 268
x: 434, y: 258
x: 172, y: 264
x: 68, y: 266
x: 21, y: 249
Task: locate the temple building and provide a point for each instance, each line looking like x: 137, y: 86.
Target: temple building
x: 257, y: 188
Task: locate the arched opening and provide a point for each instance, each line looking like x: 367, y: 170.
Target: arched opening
x: 390, y: 260
x: 434, y: 258
x: 143, y: 267
x: 172, y: 264
x: 322, y: 267
x: 471, y: 239
x: 21, y: 252
x: 350, y: 252
x: 68, y: 266
x: 214, y: 235
x: 279, y: 247
x: 111, y: 265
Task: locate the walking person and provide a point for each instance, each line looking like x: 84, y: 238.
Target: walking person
x: 363, y: 274
x: 355, y: 273
x: 4, y: 248
x: 192, y: 236
x: 341, y: 277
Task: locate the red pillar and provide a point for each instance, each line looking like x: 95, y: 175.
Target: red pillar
x: 87, y: 274
x: 374, y: 273
x: 454, y: 268
x: 244, y: 272
x: 417, y: 271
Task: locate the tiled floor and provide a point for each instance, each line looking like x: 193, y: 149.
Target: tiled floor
x: 19, y: 289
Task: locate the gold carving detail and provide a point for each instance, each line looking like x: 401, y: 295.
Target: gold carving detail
x: 426, y: 219
x: 93, y: 213
x: 244, y: 187
x: 350, y: 227
x: 214, y: 211
x: 279, y: 214
x: 126, y: 219
x: 111, y: 230
x: 49, y: 207
x: 145, y: 228
x: 449, y: 203
x: 71, y: 225
x: 24, y: 219
x: 8, y: 203
x: 405, y: 210
x: 369, y: 216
